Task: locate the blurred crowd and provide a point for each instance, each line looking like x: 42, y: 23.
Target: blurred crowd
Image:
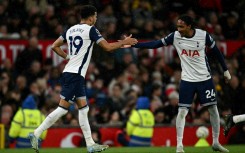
x: 114, y: 81
x: 145, y: 19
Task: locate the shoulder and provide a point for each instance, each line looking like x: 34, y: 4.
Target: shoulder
x: 201, y: 32
x: 86, y: 26
x: 169, y: 39
x: 176, y: 34
x: 19, y: 113
x: 134, y: 113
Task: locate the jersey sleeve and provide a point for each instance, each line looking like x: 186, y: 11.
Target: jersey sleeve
x: 149, y: 45
x: 63, y: 36
x: 95, y: 35
x: 168, y: 40
x: 209, y: 41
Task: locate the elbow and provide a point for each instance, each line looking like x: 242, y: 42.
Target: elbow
x: 53, y: 47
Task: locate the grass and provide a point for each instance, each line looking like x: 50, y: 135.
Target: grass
x: 232, y: 148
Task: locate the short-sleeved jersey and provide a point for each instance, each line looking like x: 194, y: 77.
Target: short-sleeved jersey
x: 192, y: 53
x: 80, y: 39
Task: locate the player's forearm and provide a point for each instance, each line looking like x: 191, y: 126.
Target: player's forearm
x: 56, y: 47
x: 149, y: 45
x: 59, y: 51
x: 220, y: 57
x: 113, y: 46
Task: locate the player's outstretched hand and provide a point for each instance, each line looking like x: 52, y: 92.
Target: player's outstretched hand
x: 128, y: 41
x: 227, y: 76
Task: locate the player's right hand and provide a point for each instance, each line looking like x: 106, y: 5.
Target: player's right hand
x: 128, y: 40
x: 227, y: 76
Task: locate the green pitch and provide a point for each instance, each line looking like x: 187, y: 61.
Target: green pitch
x: 233, y: 149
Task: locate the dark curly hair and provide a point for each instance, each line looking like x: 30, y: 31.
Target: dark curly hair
x: 87, y: 11
x: 188, y: 20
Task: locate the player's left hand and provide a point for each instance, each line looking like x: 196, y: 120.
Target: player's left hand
x: 227, y: 76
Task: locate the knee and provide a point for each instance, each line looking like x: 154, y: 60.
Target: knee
x: 213, y: 110
x: 84, y: 110
x: 183, y: 111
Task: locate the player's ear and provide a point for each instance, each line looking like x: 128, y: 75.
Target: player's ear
x: 90, y: 19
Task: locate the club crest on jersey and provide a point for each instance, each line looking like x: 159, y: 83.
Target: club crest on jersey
x: 190, y: 53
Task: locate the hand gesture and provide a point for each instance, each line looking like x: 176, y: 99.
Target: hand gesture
x: 128, y: 41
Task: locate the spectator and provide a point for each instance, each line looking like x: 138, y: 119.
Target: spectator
x: 171, y: 107
x: 33, y: 72
x: 21, y: 86
x: 6, y: 115
x: 218, y: 33
x: 110, y: 31
x: 139, y: 128
x: 142, y: 12
x: 160, y: 116
x: 40, y: 5
x: 116, y: 100
x: 115, y: 119
x: 156, y: 100
x: 105, y: 17
x: 27, y: 118
x: 231, y: 27
x: 6, y: 66
x: 4, y: 32
x: 5, y: 84
x: 28, y: 55
x: 202, y: 117
x: 54, y: 77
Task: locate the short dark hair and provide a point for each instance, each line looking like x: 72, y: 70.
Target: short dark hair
x: 87, y: 11
x: 188, y: 20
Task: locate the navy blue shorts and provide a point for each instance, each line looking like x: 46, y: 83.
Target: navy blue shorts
x: 204, y: 89
x: 73, y: 87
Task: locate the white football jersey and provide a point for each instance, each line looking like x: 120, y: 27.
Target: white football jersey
x: 192, y: 53
x: 80, y: 39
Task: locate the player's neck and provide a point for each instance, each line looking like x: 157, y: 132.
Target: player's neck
x: 191, y: 33
x: 88, y: 22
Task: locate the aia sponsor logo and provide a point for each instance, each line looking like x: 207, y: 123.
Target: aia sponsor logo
x: 190, y: 53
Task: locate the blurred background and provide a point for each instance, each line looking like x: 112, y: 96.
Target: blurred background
x: 115, y: 80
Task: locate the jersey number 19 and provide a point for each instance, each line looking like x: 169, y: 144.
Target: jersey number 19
x: 77, y: 42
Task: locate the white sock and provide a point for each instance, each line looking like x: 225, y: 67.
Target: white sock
x: 180, y: 124
x: 215, y: 122
x: 239, y: 118
x: 50, y: 120
x: 84, y: 124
